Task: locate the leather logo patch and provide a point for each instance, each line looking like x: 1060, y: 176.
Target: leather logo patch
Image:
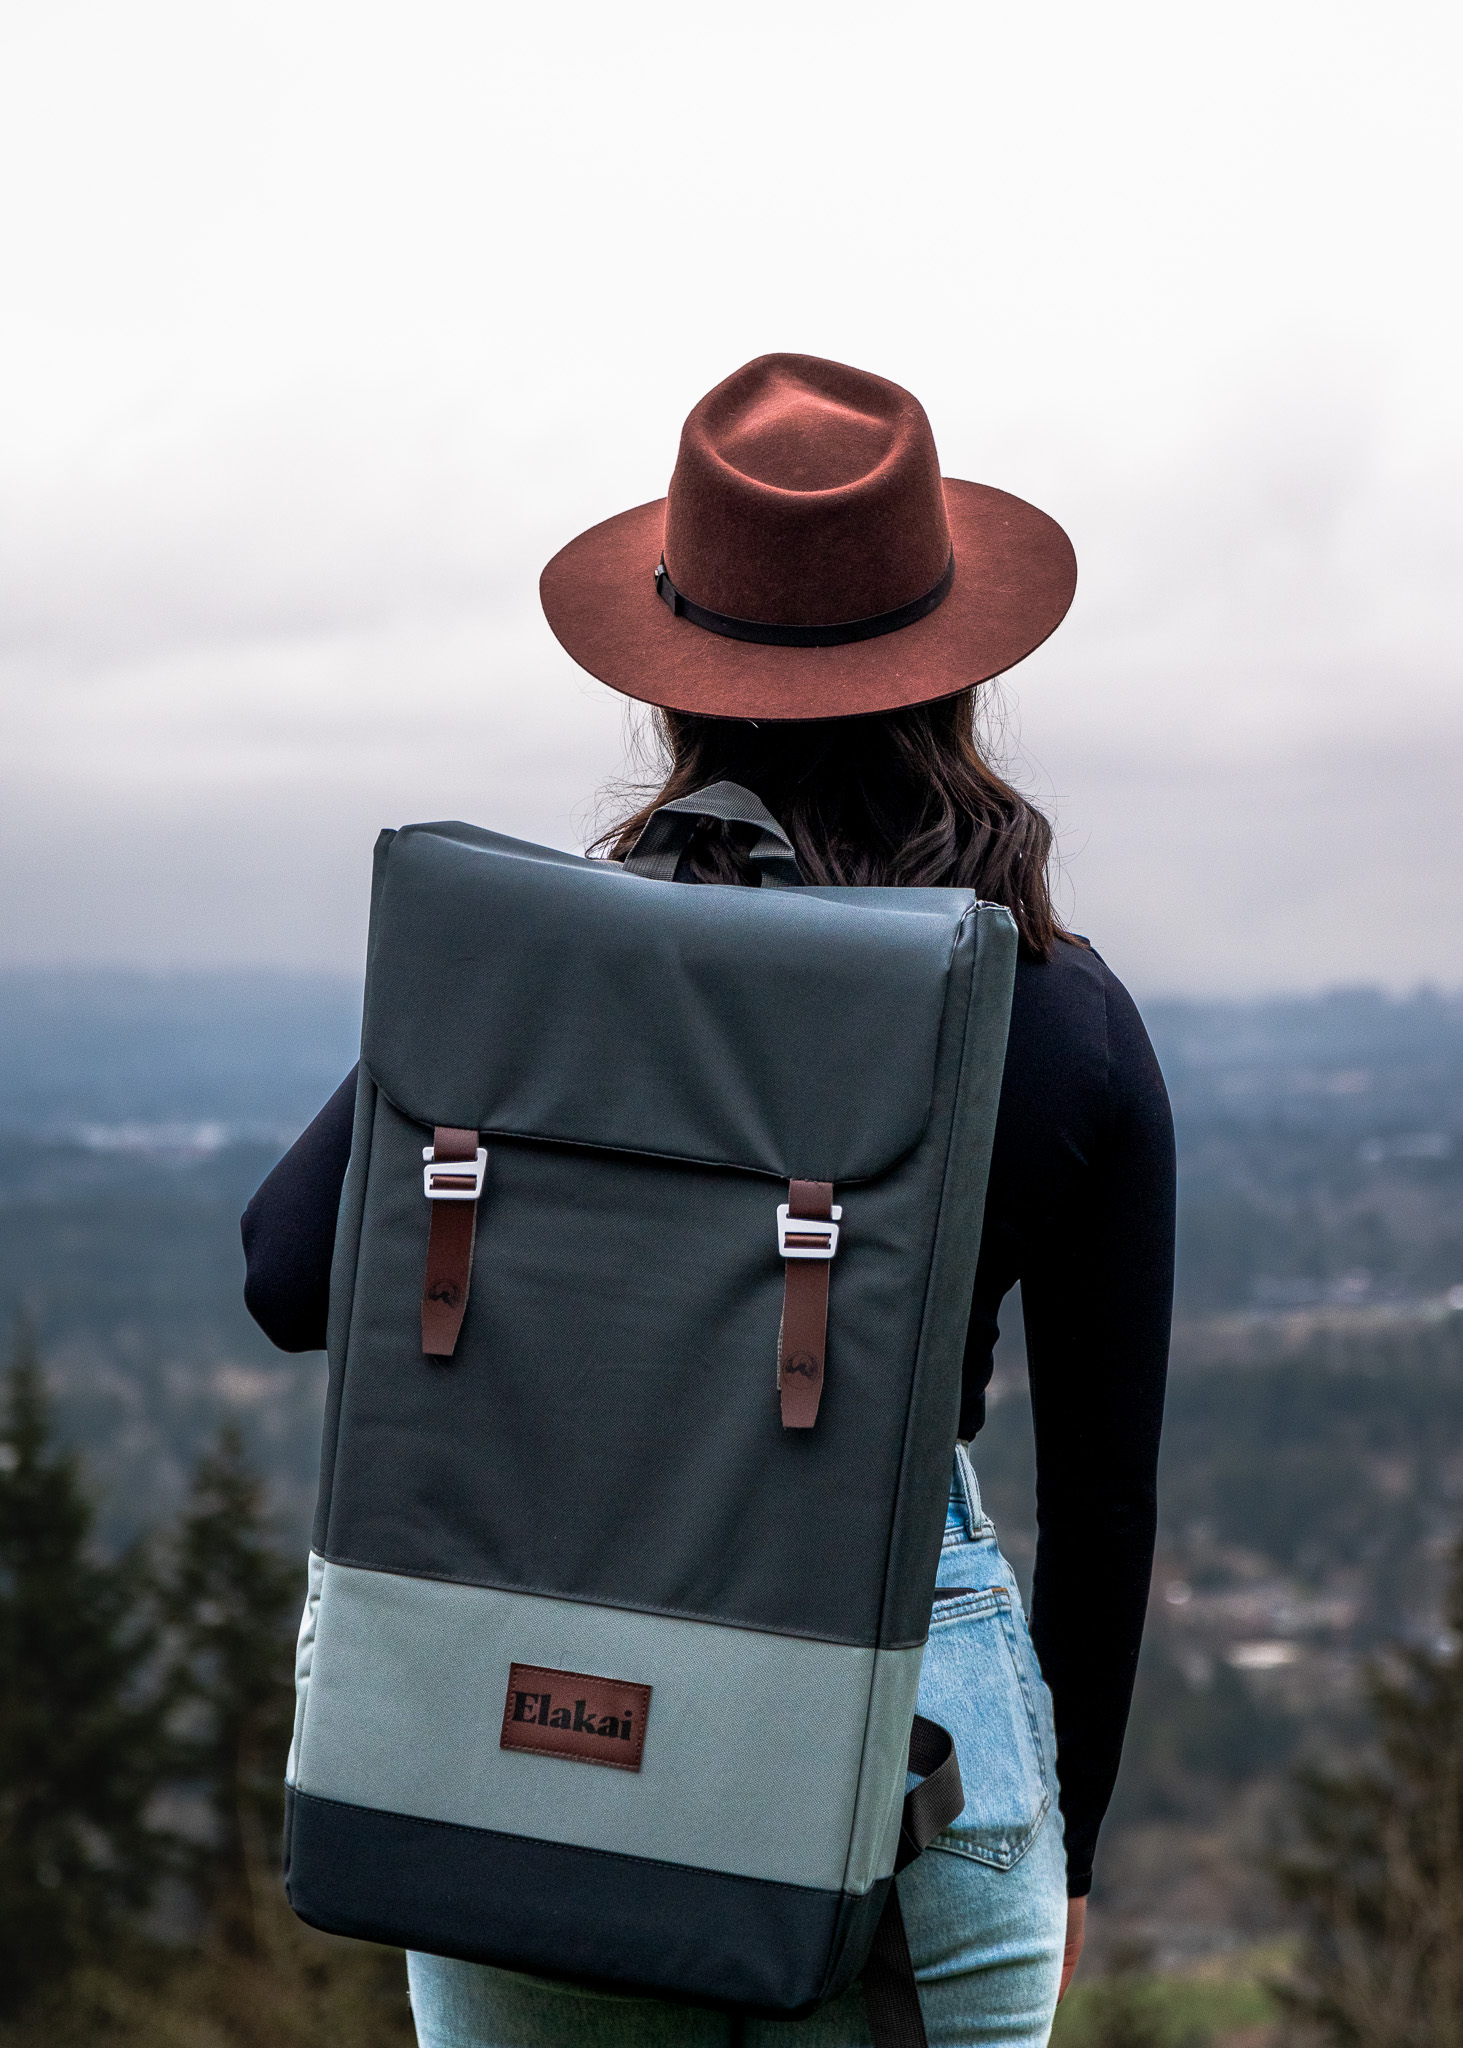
x: 570, y: 1714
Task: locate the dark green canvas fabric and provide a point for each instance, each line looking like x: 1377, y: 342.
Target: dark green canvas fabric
x: 649, y: 1063
x: 695, y: 1024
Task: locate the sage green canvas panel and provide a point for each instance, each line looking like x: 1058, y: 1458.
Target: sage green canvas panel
x: 764, y: 1756
x: 788, y: 1032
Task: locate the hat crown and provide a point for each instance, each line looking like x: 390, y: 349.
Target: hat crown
x: 779, y: 427
x: 806, y: 493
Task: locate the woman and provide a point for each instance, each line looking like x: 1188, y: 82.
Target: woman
x: 811, y: 611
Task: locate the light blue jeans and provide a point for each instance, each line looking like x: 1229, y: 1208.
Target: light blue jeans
x: 985, y: 1907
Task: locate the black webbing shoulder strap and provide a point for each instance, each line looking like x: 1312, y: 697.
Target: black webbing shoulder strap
x: 891, y: 1995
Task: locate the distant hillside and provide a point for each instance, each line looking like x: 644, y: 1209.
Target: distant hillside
x: 1320, y: 1140
x: 137, y: 1115
x: 1320, y: 1149
x: 85, y: 1045
x: 250, y: 1051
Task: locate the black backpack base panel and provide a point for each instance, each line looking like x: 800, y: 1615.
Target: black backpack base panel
x: 608, y: 1922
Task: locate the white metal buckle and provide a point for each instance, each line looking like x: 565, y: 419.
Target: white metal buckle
x: 454, y: 1180
x: 807, y: 1237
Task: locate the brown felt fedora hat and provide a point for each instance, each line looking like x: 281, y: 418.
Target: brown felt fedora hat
x: 809, y: 561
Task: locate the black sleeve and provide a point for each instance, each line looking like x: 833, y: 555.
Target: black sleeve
x: 1098, y: 1302
x: 289, y: 1229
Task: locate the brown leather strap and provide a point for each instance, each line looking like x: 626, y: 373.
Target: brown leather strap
x: 804, y: 1336
x: 449, y: 1250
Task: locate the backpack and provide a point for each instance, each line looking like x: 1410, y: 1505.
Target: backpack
x: 652, y: 1272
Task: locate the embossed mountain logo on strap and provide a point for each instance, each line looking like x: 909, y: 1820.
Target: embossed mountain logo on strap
x: 571, y: 1714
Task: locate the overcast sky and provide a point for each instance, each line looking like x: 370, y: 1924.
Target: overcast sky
x: 325, y: 325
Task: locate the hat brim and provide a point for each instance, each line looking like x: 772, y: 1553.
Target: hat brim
x: 1015, y: 574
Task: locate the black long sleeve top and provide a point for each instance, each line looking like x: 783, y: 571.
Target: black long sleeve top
x: 1080, y: 1210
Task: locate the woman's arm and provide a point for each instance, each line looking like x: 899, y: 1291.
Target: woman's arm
x: 1098, y: 1298
x: 289, y: 1229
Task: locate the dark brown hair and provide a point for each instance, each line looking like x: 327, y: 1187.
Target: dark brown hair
x: 899, y: 797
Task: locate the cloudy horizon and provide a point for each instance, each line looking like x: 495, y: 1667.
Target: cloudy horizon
x: 329, y: 326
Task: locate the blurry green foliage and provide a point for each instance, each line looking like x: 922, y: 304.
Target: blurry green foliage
x: 230, y: 1602
x: 81, y: 1753
x: 1131, y: 2007
x: 299, y: 1989
x: 1378, y: 1877
x: 127, y: 1692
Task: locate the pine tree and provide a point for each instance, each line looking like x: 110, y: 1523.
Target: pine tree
x: 79, y: 1751
x: 1380, y: 1880
x: 232, y: 1603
